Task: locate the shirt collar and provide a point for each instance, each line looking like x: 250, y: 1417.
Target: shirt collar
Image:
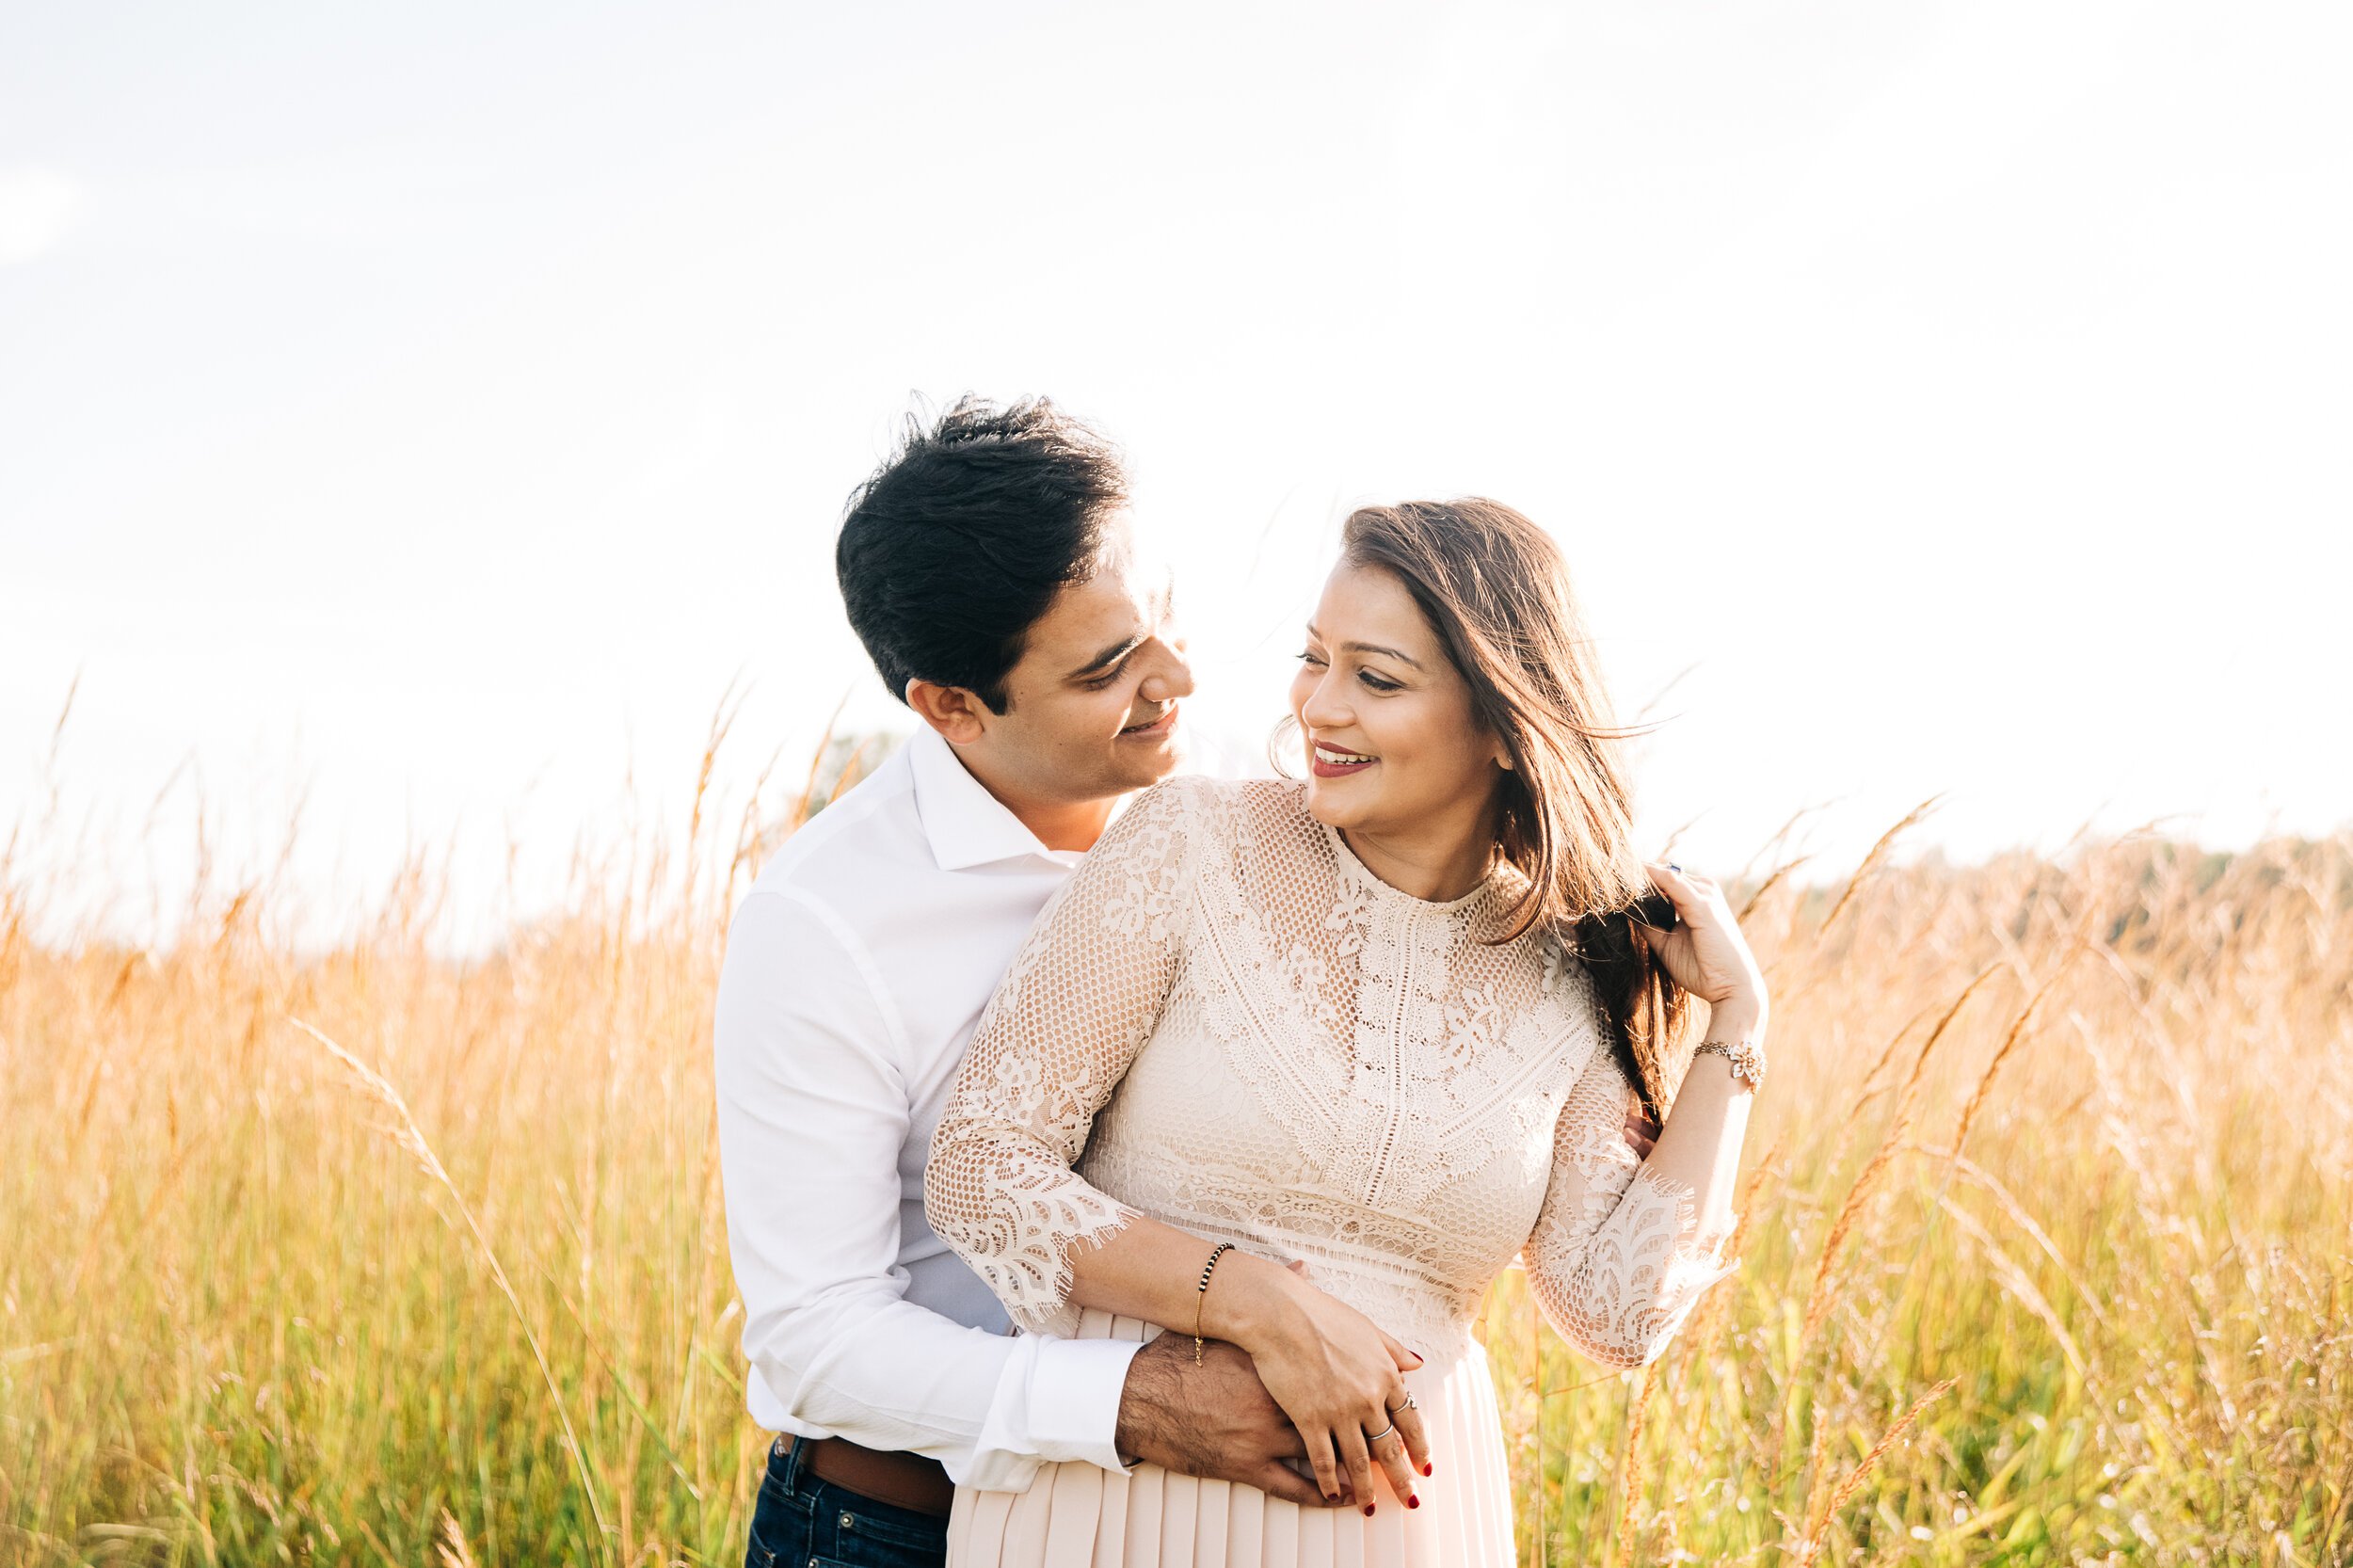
x: 967, y: 826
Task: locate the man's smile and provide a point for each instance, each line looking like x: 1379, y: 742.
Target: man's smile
x: 1153, y: 728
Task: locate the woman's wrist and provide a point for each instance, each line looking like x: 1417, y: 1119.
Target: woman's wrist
x: 1734, y: 1043
x: 1248, y: 1296
x: 1740, y: 1016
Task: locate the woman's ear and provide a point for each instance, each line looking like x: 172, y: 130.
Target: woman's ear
x: 952, y: 711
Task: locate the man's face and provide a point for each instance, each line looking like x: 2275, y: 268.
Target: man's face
x: 1092, y: 701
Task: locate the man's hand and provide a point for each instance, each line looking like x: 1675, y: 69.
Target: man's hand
x: 1214, y: 1420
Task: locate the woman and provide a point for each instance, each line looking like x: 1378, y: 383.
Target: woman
x: 1382, y: 1023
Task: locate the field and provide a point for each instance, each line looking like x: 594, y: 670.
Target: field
x: 372, y: 1256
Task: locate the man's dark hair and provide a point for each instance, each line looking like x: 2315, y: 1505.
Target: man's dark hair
x: 957, y: 544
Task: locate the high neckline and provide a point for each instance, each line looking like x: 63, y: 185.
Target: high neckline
x: 1349, y: 860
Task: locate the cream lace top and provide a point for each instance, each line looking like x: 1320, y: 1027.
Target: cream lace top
x: 1271, y: 1046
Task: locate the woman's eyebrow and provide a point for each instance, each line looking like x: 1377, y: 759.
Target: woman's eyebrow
x: 1389, y: 652
x: 1315, y: 636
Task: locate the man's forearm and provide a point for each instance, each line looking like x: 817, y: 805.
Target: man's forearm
x: 1213, y: 1419
x: 898, y: 1376
x: 1153, y: 1392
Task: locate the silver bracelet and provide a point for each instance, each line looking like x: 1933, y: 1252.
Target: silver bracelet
x: 1748, y: 1062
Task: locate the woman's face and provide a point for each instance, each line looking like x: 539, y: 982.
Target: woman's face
x: 1395, y: 754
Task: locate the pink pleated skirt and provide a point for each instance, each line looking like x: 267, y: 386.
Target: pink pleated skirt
x: 1076, y: 1515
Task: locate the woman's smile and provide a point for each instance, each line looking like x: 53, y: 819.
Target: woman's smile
x: 1331, y: 761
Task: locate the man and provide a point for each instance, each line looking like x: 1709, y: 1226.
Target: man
x: 989, y: 566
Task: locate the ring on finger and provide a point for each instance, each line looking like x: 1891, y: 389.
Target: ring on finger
x: 1375, y: 1437
x: 1409, y: 1403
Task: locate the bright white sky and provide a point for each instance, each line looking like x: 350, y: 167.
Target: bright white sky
x: 424, y: 410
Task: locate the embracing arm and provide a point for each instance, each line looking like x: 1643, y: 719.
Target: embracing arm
x: 813, y: 1116
x: 1078, y: 1002
x: 1082, y: 996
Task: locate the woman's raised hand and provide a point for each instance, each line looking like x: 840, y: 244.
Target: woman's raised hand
x: 1335, y: 1374
x: 1704, y: 953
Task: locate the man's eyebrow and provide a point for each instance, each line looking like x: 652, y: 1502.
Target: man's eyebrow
x: 1108, y: 657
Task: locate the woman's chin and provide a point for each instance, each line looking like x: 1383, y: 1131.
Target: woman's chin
x: 1331, y: 806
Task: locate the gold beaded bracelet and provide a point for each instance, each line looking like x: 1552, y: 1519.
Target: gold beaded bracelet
x: 1200, y: 1293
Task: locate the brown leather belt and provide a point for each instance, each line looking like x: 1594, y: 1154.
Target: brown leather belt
x: 905, y: 1480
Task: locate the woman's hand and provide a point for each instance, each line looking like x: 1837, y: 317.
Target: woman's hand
x: 1704, y: 953
x: 1335, y: 1374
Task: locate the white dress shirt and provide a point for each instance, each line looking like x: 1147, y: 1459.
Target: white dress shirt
x: 857, y: 970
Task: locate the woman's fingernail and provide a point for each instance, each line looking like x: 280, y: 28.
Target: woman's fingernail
x: 1412, y: 1502
x: 1368, y: 1511
x: 1425, y: 1469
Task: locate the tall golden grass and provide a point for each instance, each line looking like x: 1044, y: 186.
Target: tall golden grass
x: 368, y: 1254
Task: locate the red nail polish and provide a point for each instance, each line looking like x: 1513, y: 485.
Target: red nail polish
x: 1425, y: 1469
x: 1412, y: 1502
x: 1368, y: 1511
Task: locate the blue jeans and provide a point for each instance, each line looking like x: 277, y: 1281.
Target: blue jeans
x: 802, y: 1522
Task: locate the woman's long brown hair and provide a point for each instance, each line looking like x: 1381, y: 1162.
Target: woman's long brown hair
x: 1495, y: 589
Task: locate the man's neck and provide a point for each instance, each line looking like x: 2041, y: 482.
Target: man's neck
x: 1059, y: 824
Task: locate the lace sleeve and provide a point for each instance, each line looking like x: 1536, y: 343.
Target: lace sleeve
x: 1083, y: 993
x: 1616, y: 1262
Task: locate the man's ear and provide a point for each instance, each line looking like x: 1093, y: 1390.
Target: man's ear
x: 953, y: 710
